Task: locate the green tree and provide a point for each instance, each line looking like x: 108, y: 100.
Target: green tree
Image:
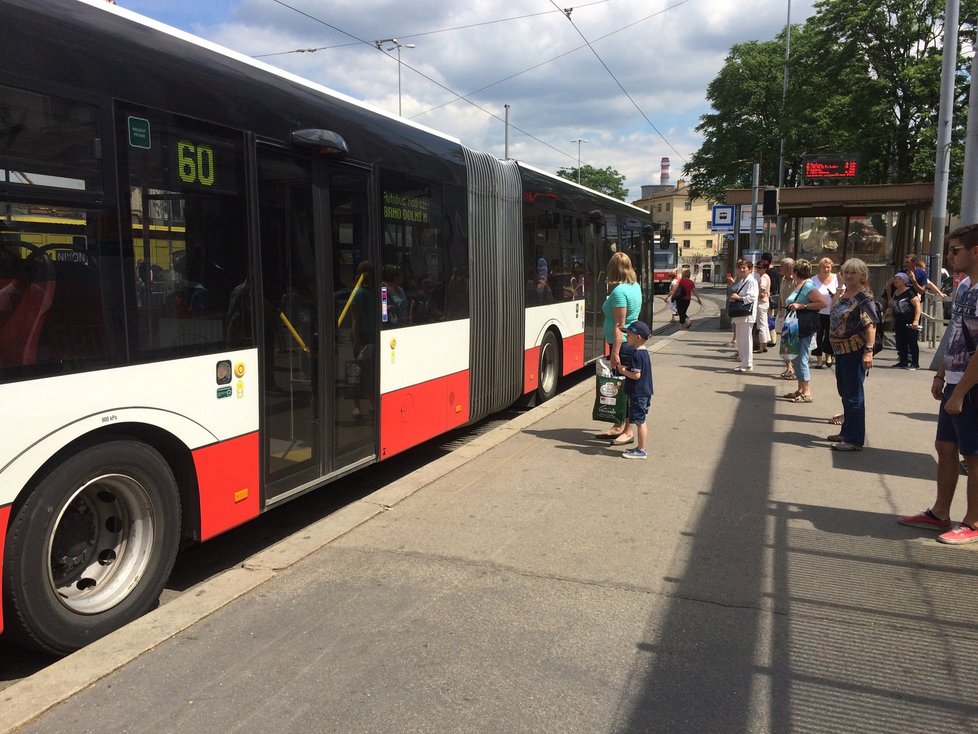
x: 864, y: 80
x: 606, y: 180
x: 744, y: 125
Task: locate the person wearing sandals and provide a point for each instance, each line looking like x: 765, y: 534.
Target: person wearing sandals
x: 621, y: 307
x: 787, y: 268
x: 955, y: 386
x: 804, y: 296
x: 828, y: 284
x: 746, y: 290
x: 854, y: 321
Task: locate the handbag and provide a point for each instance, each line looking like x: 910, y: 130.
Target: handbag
x: 739, y: 308
x: 808, y: 321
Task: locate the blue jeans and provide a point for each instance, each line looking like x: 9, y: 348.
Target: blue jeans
x: 801, y: 361
x: 849, y: 376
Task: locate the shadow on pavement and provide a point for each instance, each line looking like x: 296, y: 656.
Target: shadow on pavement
x: 780, y: 620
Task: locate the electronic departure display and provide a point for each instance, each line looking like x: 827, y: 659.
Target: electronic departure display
x: 821, y: 167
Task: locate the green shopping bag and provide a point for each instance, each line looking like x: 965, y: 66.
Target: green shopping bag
x: 610, y: 400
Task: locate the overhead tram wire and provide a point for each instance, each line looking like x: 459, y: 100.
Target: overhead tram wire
x: 620, y: 86
x: 556, y: 58
x: 410, y: 35
x: 425, y: 76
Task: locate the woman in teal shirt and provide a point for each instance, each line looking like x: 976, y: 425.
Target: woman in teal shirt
x: 620, y: 309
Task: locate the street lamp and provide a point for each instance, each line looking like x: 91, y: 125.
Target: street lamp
x: 395, y: 45
x: 579, y: 141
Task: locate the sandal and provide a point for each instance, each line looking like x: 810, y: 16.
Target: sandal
x: 622, y: 440
x: 791, y: 395
x: 787, y: 375
x: 609, y: 435
x: 836, y: 420
x: 803, y: 399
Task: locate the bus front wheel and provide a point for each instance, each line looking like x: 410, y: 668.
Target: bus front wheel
x: 91, y: 547
x: 549, y: 372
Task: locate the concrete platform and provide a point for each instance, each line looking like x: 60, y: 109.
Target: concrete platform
x: 743, y: 578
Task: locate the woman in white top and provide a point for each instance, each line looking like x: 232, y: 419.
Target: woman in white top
x: 827, y: 284
x: 745, y: 289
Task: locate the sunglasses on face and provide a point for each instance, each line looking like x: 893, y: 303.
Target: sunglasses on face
x: 953, y: 249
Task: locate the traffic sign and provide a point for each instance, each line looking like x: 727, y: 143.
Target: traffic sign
x: 723, y: 218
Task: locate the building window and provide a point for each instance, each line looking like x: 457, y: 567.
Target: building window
x: 687, y: 225
x: 667, y: 206
x: 685, y: 244
x: 688, y: 206
x: 709, y: 243
x: 658, y: 207
x: 709, y: 206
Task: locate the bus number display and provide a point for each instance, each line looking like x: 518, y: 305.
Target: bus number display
x: 195, y: 162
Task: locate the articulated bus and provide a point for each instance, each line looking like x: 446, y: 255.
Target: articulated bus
x: 223, y: 286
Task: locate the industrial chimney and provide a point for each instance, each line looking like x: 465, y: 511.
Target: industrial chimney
x: 664, y: 175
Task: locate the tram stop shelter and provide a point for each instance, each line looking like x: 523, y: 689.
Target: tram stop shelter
x: 878, y: 224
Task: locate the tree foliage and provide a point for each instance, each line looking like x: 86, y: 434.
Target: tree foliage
x: 864, y: 80
x: 606, y: 180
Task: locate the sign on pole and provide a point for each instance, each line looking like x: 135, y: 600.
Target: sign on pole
x: 723, y: 218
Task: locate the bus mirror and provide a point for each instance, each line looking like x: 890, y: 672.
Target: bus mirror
x: 325, y: 142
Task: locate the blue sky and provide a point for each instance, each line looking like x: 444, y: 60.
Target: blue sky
x: 530, y: 56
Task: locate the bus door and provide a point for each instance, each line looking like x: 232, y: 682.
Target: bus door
x: 319, y: 387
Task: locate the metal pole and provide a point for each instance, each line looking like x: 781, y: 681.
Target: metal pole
x: 942, y: 163
x: 753, y: 211
x: 579, y: 141
x: 784, y: 97
x: 399, y: 80
x: 506, y: 136
x: 969, y: 183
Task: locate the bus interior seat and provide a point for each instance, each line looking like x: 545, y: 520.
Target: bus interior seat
x: 24, y: 305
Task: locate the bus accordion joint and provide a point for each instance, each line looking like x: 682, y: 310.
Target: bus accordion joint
x: 293, y: 332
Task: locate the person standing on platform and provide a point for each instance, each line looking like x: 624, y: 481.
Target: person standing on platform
x: 638, y: 386
x: 804, y: 296
x: 827, y: 283
x: 744, y: 290
x: 954, y: 385
x: 854, y: 321
x: 763, y: 304
x: 787, y: 286
x: 621, y: 307
x: 905, y: 307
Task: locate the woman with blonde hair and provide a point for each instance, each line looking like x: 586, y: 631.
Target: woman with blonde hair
x: 621, y: 307
x: 853, y: 333
x: 827, y: 283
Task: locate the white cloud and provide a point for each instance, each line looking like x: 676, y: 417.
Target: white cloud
x: 663, y: 52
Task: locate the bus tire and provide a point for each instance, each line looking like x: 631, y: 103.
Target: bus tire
x: 91, y: 547
x: 549, y: 370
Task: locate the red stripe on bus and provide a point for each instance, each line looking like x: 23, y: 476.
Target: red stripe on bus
x: 531, y: 369
x: 4, y: 518
x: 227, y: 477
x: 573, y: 357
x: 414, y: 414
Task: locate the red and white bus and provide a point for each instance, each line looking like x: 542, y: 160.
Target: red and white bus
x: 665, y: 261
x: 222, y: 286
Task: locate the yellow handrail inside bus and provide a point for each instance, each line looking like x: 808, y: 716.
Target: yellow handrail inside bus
x: 339, y: 321
x: 292, y: 331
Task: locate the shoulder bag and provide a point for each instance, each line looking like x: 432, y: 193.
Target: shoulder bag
x: 739, y: 308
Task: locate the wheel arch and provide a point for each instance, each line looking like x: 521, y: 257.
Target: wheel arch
x: 174, y: 451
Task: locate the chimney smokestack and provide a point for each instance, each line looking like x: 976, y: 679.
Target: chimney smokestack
x: 664, y: 175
